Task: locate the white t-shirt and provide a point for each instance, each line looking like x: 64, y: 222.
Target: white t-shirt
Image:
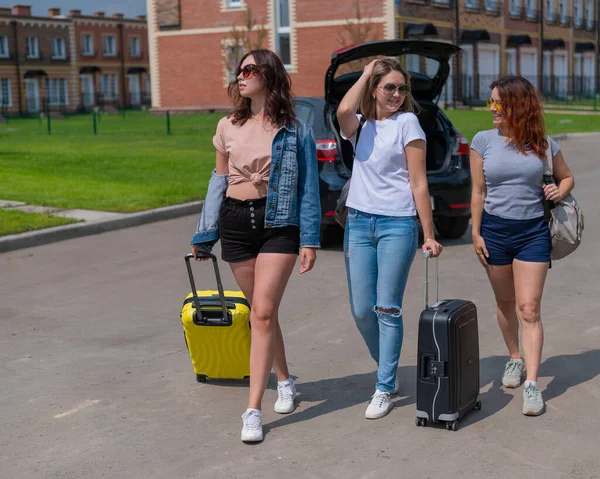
x: 380, y: 183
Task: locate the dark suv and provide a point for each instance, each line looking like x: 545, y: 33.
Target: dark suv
x: 448, y: 173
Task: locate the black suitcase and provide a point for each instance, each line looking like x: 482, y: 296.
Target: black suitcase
x: 448, y: 359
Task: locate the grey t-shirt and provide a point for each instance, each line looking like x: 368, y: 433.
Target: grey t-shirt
x: 514, y: 180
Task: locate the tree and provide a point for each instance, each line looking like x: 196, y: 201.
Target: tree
x: 356, y: 30
x: 242, y: 39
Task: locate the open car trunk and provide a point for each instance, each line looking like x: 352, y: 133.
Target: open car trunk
x: 428, y: 64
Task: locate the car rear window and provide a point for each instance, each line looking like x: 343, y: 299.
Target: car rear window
x: 416, y: 65
x: 305, y: 112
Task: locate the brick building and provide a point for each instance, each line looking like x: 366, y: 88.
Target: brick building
x: 71, y: 62
x: 192, y: 41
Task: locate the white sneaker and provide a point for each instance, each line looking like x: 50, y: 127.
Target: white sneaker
x: 252, y: 426
x: 381, y: 404
x: 396, y: 386
x: 286, y: 397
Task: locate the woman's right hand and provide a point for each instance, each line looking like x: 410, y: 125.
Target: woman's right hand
x: 368, y: 71
x: 480, y: 249
x: 199, y: 254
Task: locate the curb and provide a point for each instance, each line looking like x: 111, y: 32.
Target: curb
x: 61, y: 233
x: 568, y: 136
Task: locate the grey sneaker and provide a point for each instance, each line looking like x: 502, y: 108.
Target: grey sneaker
x: 514, y: 371
x: 533, y: 403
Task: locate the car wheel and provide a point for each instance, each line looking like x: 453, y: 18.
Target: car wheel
x: 452, y: 227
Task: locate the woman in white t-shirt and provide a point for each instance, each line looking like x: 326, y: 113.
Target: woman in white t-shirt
x: 387, y: 190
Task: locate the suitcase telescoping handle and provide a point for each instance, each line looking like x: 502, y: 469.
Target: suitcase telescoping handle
x: 426, y: 256
x: 189, y: 257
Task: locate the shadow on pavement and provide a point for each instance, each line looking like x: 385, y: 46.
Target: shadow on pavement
x: 335, y: 394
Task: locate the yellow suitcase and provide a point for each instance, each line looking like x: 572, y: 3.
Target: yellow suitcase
x: 218, y: 338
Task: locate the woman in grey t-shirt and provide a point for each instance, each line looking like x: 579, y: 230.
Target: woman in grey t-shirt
x: 510, y: 235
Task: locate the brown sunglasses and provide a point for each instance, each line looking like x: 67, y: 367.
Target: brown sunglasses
x: 248, y: 71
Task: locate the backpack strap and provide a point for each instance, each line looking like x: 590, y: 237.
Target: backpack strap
x: 548, y: 158
x: 360, y: 125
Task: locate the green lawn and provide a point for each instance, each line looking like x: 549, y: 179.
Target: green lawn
x: 469, y: 122
x: 14, y: 221
x: 132, y: 164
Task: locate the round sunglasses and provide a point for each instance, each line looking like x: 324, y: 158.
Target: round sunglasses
x: 402, y: 89
x: 248, y: 71
x: 497, y: 104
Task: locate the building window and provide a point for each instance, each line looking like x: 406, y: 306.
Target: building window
x: 88, y: 45
x: 578, y: 12
x: 589, y: 14
x: 491, y: 6
x: 110, y: 46
x: 472, y: 4
x: 5, y: 93
x: 233, y: 3
x: 515, y: 7
x: 550, y: 10
x: 33, y: 47
x: 442, y: 2
x: 563, y: 11
x: 109, y: 86
x: 282, y: 29
x: 134, y: 47
x: 531, y: 9
x: 233, y: 54
x: 57, y: 91
x: 59, y: 48
x: 4, y: 53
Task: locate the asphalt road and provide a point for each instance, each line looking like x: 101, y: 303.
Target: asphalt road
x: 95, y: 380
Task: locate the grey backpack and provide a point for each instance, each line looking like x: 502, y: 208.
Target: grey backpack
x: 566, y: 218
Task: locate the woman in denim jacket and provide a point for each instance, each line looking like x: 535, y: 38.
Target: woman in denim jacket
x: 263, y: 204
x: 387, y: 190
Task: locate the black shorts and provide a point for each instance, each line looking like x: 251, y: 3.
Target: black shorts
x: 244, y: 236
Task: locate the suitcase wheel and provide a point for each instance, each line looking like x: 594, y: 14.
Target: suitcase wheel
x: 452, y: 426
x: 421, y: 421
x: 201, y: 378
x: 477, y: 406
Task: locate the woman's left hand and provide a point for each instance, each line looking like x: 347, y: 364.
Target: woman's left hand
x: 433, y: 246
x: 551, y: 192
x: 308, y: 256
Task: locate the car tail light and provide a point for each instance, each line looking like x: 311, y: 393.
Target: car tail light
x: 330, y: 213
x: 326, y: 150
x: 462, y: 151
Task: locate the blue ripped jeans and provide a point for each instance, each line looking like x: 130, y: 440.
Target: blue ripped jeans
x: 379, y: 251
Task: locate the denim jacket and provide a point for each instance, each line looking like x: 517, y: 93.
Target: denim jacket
x: 292, y: 195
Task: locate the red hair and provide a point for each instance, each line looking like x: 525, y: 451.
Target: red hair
x: 522, y: 110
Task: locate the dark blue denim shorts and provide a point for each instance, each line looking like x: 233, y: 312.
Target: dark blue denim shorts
x: 507, y: 240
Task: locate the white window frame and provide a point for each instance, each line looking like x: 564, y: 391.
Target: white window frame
x: 33, y: 47
x: 90, y: 52
x: 283, y: 31
x: 135, y: 53
x: 4, y: 47
x: 578, y: 12
x: 57, y: 90
x: 5, y: 87
x: 229, y: 4
x: 512, y: 52
x: 109, y: 86
x: 59, y: 48
x: 589, y: 14
x: 530, y: 8
x: 536, y: 61
x: 112, y: 53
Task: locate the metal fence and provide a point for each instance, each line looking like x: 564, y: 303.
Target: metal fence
x: 575, y: 90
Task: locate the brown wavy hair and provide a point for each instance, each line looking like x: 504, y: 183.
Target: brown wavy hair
x: 279, y: 105
x: 523, y: 114
x: 368, y: 104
